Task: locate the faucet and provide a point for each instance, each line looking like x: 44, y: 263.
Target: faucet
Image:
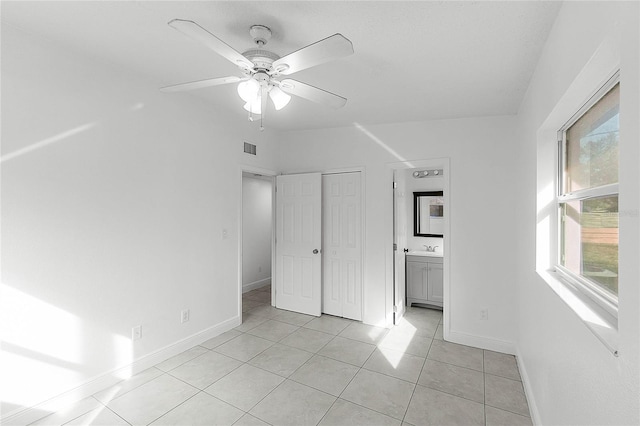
x: 429, y: 248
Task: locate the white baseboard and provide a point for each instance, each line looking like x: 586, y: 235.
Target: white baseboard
x: 256, y: 284
x: 24, y: 416
x: 528, y: 391
x: 480, y: 342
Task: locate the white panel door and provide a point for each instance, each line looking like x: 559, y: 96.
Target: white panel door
x: 400, y: 243
x: 341, y: 244
x: 298, y: 243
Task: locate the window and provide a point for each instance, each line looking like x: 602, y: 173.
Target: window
x: 588, y: 197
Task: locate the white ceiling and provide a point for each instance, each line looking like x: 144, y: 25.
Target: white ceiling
x: 414, y: 60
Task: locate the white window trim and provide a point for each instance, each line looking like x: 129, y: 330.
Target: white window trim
x: 596, y: 298
x: 603, y: 325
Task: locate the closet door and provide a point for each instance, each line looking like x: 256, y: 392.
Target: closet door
x: 298, y: 243
x: 341, y: 242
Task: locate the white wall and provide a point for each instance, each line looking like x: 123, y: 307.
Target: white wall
x: 481, y: 156
x: 257, y: 216
x: 572, y: 378
x: 114, y: 197
x: 418, y: 185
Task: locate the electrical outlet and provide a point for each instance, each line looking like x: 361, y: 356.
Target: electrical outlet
x: 184, y: 316
x: 225, y: 233
x: 136, y: 332
x: 484, y: 314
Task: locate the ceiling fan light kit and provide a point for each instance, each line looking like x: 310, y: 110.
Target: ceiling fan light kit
x: 261, y: 68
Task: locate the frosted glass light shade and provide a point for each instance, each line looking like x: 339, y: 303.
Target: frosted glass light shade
x: 254, y: 107
x: 279, y: 98
x: 249, y: 90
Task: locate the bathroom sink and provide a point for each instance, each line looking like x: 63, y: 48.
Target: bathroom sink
x: 425, y: 253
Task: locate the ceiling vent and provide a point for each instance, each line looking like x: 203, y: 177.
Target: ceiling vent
x: 249, y: 148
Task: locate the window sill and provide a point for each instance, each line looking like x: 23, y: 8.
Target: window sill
x: 601, y: 323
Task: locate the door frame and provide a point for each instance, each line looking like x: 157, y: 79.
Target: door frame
x: 445, y: 163
x: 271, y: 174
x: 363, y: 216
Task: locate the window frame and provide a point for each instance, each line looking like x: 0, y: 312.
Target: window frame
x: 584, y: 285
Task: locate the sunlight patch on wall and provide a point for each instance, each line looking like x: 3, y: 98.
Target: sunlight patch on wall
x: 379, y: 141
x: 546, y: 196
x: 136, y: 107
x: 40, y: 345
x: 123, y: 354
x: 543, y: 244
x: 48, y: 141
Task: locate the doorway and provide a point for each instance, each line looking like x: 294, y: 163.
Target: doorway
x: 256, y: 237
x: 404, y: 240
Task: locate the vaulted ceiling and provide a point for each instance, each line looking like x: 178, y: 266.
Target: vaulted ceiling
x: 414, y: 60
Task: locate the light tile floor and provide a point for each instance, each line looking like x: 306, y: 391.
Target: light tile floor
x: 285, y: 368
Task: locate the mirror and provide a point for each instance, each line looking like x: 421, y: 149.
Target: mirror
x: 428, y: 214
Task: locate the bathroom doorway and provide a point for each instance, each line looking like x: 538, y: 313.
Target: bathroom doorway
x: 405, y: 183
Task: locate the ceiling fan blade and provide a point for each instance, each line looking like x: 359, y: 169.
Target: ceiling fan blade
x: 196, y: 32
x: 200, y: 84
x: 322, y: 51
x: 312, y: 93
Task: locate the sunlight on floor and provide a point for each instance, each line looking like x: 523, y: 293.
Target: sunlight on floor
x: 92, y: 415
x: 399, y: 342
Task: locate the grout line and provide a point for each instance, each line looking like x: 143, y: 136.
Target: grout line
x: 70, y: 407
x: 173, y: 368
x: 123, y: 419
x: 264, y: 397
x: 370, y: 409
x: 327, y: 412
x: 508, y: 411
x: 503, y: 377
x: 125, y: 380
x: 448, y: 393
x: 171, y: 409
x: 416, y: 384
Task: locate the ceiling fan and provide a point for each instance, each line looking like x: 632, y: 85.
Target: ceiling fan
x: 261, y: 69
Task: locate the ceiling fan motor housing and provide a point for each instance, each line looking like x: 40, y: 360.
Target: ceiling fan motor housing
x: 262, y: 59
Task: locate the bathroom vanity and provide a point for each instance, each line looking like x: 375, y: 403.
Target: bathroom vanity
x: 424, y: 278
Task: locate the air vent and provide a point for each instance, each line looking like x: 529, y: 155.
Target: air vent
x: 249, y: 148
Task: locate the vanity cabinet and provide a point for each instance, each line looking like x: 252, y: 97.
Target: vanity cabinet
x: 424, y: 280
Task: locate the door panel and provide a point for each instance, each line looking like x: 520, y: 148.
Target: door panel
x: 417, y: 280
x: 298, y: 234
x: 342, y: 274
x: 435, y: 280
